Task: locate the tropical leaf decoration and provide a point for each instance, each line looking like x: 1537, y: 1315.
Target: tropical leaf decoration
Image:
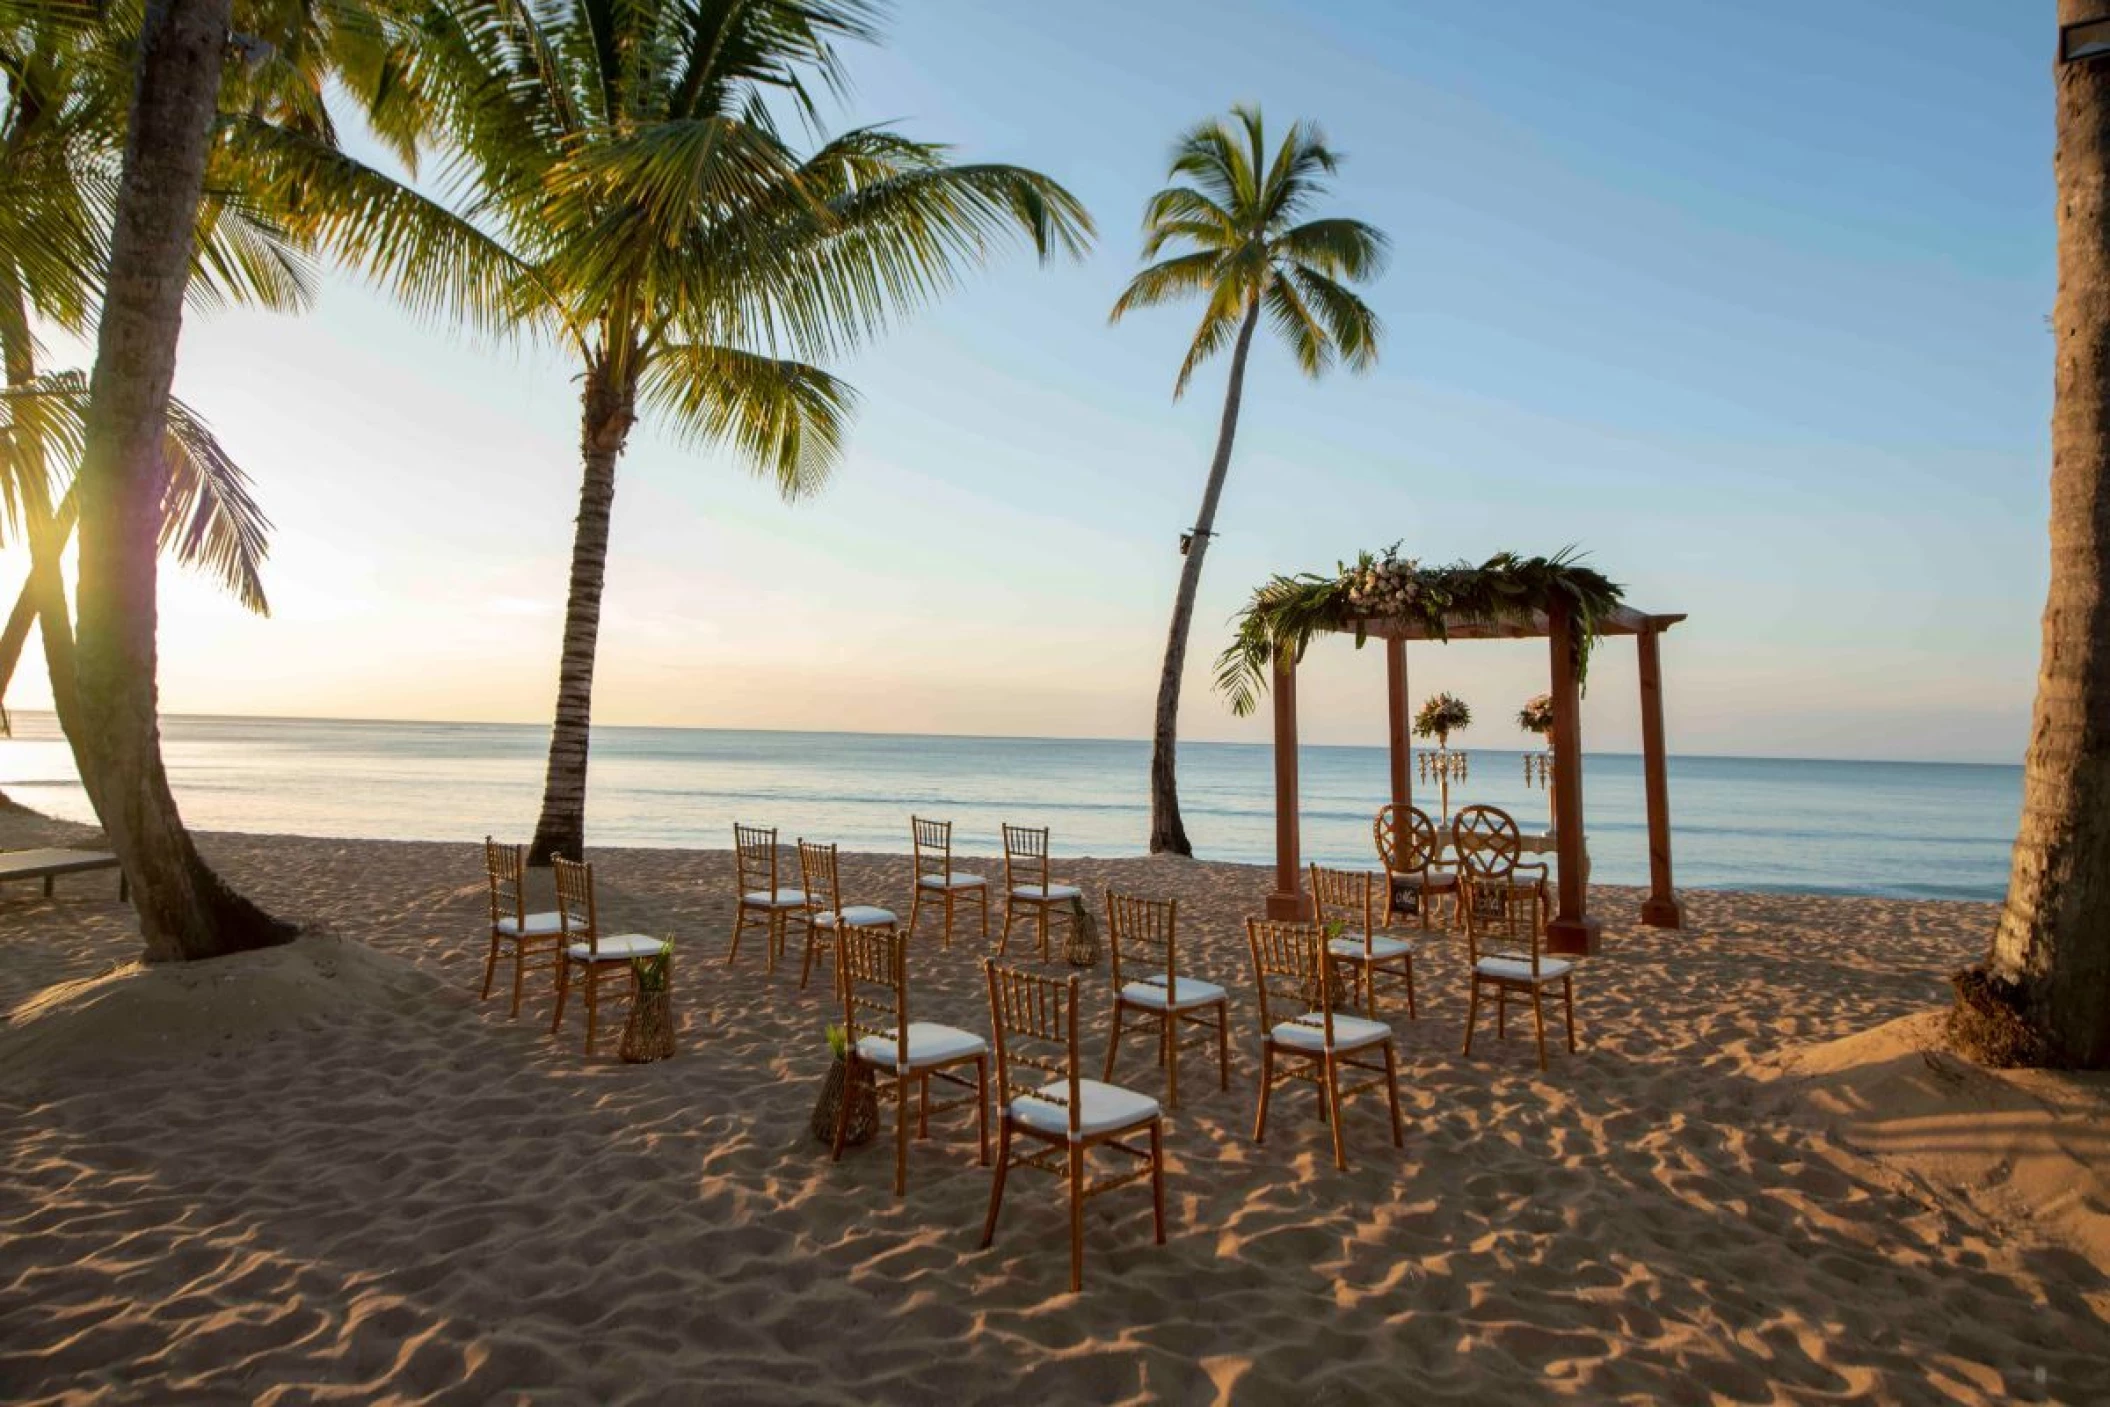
x: 1536, y: 716
x: 1441, y: 716
x: 1285, y: 612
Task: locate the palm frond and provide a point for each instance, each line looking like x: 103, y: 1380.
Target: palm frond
x: 1337, y: 248
x: 784, y: 417
x: 1165, y: 281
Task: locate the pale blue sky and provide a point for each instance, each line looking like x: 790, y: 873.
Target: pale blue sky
x: 1747, y: 301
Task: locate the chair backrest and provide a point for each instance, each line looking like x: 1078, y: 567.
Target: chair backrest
x: 1026, y: 857
x: 1139, y: 932
x: 872, y: 975
x: 1344, y: 895
x: 1504, y: 918
x: 755, y: 855
x: 1293, y: 972
x: 1406, y: 840
x: 818, y: 876
x: 505, y: 867
x: 1030, y: 1014
x: 1487, y: 841
x: 575, y: 903
x: 933, y: 843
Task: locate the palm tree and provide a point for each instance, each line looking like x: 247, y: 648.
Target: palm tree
x: 1246, y: 249
x: 692, y: 261
x: 2049, y: 963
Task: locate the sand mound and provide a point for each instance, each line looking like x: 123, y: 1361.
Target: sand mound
x: 2025, y: 1147
x: 180, y: 1012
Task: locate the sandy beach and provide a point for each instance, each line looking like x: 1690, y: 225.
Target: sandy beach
x: 329, y: 1173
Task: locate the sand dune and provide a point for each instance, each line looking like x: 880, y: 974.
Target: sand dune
x: 381, y: 1188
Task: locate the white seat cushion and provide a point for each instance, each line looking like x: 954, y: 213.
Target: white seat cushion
x: 928, y: 1044
x: 1350, y: 945
x: 1106, y: 1107
x: 1150, y: 992
x: 958, y: 881
x: 1058, y: 893
x: 784, y: 899
x: 857, y: 915
x: 1519, y: 969
x: 538, y: 925
x: 620, y: 947
x: 1427, y: 880
x: 1349, y: 1032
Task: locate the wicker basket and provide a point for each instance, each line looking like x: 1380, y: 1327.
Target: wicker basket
x: 1081, y: 949
x: 864, y: 1106
x: 649, y: 1033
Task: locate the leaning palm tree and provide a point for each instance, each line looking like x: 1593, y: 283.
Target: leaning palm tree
x: 1237, y: 217
x: 691, y: 259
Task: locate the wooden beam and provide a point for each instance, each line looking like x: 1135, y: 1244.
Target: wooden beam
x: 1396, y: 716
x: 1572, y: 930
x: 1661, y: 909
x: 1287, y: 902
x: 1624, y: 620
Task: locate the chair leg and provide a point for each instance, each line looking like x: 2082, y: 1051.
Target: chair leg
x: 556, y: 1022
x: 739, y: 923
x: 901, y: 1084
x: 491, y: 967
x: 1171, y: 1038
x: 1113, y: 1043
x: 983, y: 894
x: 915, y: 908
x: 1076, y: 1217
x: 1399, y: 1137
x: 948, y: 917
x: 1538, y: 1020
x: 996, y: 1186
x: 1568, y: 991
x: 519, y: 974
x: 1333, y: 1108
x: 1501, y: 1013
x: 593, y: 1003
x: 1003, y: 940
x: 1223, y: 1043
x: 981, y: 1105
x: 1157, y: 1176
x: 1412, y: 1014
x: 1042, y: 910
x: 1267, y: 1084
x: 923, y: 1106
x: 1472, y: 1012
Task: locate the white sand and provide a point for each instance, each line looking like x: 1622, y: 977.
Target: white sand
x: 338, y: 1177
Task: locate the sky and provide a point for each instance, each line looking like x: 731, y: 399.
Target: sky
x: 1746, y: 302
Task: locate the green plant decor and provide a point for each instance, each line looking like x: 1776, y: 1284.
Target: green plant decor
x: 651, y: 972
x: 1287, y: 611
x: 1536, y: 716
x: 1441, y: 716
x: 838, y: 1041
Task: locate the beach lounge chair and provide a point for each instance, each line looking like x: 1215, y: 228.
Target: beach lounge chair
x: 872, y: 978
x: 825, y: 911
x: 764, y: 902
x: 591, y: 957
x: 1412, y: 854
x: 1355, y: 898
x: 1055, y: 1116
x: 1140, y: 938
x: 935, y: 877
x: 1505, y: 934
x: 1028, y: 892
x: 536, y: 940
x: 1294, y: 972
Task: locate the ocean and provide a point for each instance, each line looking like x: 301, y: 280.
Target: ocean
x: 1902, y: 829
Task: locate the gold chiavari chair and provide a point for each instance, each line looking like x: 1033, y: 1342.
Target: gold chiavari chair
x: 536, y: 939
x: 595, y: 957
x: 1060, y: 1117
x: 1355, y: 898
x: 1490, y: 858
x: 826, y: 912
x: 1412, y: 854
x: 1506, y: 937
x: 872, y: 978
x: 1027, y: 888
x: 1294, y: 972
x: 1140, y: 938
x: 764, y: 902
x: 935, y: 877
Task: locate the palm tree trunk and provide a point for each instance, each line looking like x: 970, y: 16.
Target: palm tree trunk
x: 2050, y: 959
x: 43, y: 595
x: 608, y: 410
x: 1167, y: 832
x: 185, y: 910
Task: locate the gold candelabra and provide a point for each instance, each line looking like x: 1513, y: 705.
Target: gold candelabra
x: 1538, y: 769
x: 1442, y: 766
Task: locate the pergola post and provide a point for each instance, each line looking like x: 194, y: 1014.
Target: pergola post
x: 1661, y: 908
x: 1572, y: 930
x: 1396, y: 716
x: 1286, y: 904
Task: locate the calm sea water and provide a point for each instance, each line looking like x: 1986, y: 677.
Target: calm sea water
x: 1925, y: 830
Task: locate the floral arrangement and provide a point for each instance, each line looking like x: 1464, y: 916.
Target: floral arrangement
x: 838, y: 1041
x: 1536, y: 716
x: 1441, y: 716
x: 1287, y: 611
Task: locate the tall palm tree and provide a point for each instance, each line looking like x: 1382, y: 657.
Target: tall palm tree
x: 693, y: 261
x: 2049, y: 962
x: 1246, y: 250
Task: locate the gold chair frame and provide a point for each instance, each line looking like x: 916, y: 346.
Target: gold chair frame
x: 1026, y: 867
x: 869, y: 959
x: 755, y: 869
x: 820, y: 878
x: 582, y: 922
x: 1296, y: 954
x: 1489, y: 853
x: 932, y: 841
x: 537, y: 940
x: 1149, y: 926
x: 1412, y: 854
x: 1349, y: 890
x: 1522, y: 920
x: 1028, y: 1012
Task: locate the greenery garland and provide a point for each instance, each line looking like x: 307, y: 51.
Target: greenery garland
x: 1287, y: 611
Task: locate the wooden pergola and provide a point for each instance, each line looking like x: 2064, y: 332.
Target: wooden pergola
x: 1571, y: 930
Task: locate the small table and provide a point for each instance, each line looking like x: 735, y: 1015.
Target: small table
x: 49, y: 864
